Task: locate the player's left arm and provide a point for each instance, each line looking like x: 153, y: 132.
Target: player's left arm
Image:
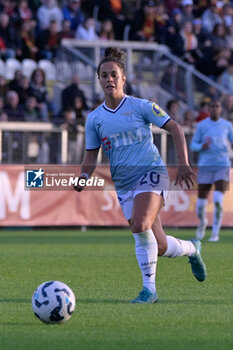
x: 184, y: 172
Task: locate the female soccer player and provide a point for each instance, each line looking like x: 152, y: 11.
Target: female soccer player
x: 210, y: 140
x: 122, y: 126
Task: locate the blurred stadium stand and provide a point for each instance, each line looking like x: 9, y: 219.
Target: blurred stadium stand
x: 153, y: 71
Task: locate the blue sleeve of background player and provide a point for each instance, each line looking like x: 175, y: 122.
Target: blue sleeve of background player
x: 92, y: 137
x: 197, y: 141
x: 230, y: 133
x: 152, y: 113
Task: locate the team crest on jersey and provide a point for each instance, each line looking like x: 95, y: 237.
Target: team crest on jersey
x: 157, y: 110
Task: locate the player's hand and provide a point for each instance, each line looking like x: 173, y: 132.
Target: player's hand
x: 186, y: 176
x: 81, y: 186
x: 206, y: 144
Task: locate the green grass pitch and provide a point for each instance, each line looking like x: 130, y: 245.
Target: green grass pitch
x: 100, y: 266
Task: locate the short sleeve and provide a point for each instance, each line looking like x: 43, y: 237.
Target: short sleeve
x: 92, y: 137
x: 154, y: 114
x: 230, y: 133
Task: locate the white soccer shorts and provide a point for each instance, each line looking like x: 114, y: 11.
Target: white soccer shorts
x: 210, y: 177
x: 151, y: 181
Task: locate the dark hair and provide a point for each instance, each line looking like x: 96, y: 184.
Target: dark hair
x: 42, y: 73
x: 113, y: 54
x: 171, y: 102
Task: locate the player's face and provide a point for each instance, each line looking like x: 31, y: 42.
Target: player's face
x: 215, y: 110
x: 112, y: 79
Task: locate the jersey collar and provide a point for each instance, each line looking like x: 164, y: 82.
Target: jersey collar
x: 117, y: 108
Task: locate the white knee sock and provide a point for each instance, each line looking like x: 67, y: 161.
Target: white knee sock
x: 201, y: 209
x: 178, y: 247
x: 217, y: 215
x: 146, y: 249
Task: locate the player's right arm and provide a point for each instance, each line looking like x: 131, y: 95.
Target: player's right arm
x: 92, y: 150
x: 197, y: 143
x: 88, y: 167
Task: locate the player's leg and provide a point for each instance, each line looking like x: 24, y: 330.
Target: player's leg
x: 171, y: 247
x: 203, y: 192
x: 218, y: 195
x: 146, y: 207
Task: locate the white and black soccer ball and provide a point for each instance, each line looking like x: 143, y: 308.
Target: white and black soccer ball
x: 53, y: 302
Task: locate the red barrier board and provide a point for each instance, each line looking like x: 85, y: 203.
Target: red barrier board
x: 21, y: 206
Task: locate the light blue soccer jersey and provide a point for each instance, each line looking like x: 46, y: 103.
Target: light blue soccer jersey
x: 217, y: 132
x: 126, y: 138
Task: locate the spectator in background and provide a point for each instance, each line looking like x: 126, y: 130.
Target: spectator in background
x: 211, y: 17
x: 34, y: 6
x: 28, y: 39
x: 48, y: 42
x: 106, y: 30
x: 15, y: 83
x: 186, y: 44
x: 218, y: 37
x: 161, y: 22
x: 3, y: 86
x: 23, y: 90
x: 227, y: 107
x: 199, y: 7
x: 73, y: 13
x: 12, y: 108
x: 9, y: 37
x: 143, y: 25
x: 48, y: 12
x: 214, y: 65
x: 204, y: 42
x: 79, y: 111
x: 66, y: 32
x: 176, y: 20
x: 188, y: 118
x: 70, y: 123
x: 116, y: 11
x: 187, y: 10
x: 227, y: 14
x: 173, y: 109
x: 3, y: 115
x: 72, y: 91
x: 173, y: 27
x: 38, y: 89
x: 23, y: 11
x: 204, y: 110
x: 8, y: 7
x: 86, y: 31
x: 226, y: 78
x: 30, y: 110
x: 229, y: 38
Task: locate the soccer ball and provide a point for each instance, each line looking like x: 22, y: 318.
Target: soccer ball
x: 53, y: 302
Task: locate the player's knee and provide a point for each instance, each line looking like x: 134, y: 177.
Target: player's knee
x: 139, y: 225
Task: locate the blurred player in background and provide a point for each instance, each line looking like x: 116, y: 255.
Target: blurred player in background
x: 210, y: 140
x: 121, y: 125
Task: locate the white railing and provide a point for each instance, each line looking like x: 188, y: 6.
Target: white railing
x: 49, y: 128
x: 162, y: 61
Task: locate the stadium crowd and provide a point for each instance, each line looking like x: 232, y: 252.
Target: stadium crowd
x: 198, y: 32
